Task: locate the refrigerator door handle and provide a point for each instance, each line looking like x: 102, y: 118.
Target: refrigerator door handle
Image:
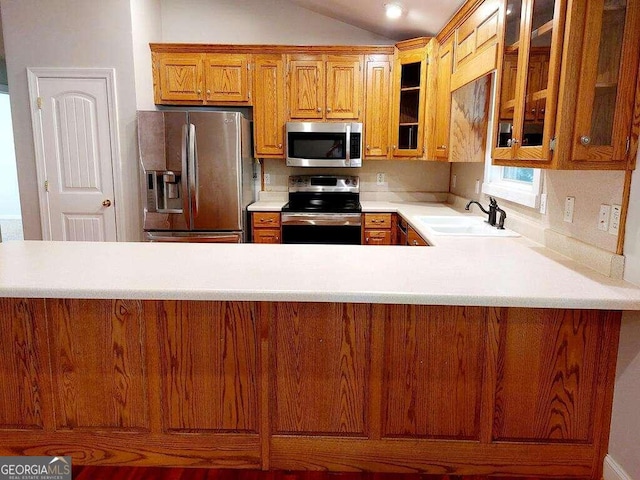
x: 193, y: 170
x: 184, y: 180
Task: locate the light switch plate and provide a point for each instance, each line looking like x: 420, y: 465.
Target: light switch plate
x: 267, y: 179
x: 380, y: 180
x: 603, y: 217
x: 569, y: 203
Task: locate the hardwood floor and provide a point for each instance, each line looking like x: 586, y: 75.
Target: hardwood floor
x: 158, y: 473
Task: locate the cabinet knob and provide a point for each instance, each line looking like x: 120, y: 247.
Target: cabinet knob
x: 208, y: 92
x: 533, y: 111
x: 198, y: 92
x: 515, y: 141
x: 279, y: 145
x: 542, y: 111
x: 366, y: 240
x: 442, y: 147
x: 319, y: 109
x: 328, y: 109
x: 415, y: 242
x: 585, y: 140
x: 368, y: 147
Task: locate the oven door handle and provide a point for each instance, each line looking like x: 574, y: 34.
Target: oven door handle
x: 322, y: 219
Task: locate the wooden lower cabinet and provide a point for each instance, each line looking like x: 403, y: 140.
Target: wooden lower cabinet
x: 265, y: 227
x: 286, y: 386
x: 379, y: 228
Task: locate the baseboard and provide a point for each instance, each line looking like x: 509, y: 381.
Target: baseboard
x: 613, y: 471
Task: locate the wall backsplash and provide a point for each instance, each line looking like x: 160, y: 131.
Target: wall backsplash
x: 400, y: 176
x: 590, y: 189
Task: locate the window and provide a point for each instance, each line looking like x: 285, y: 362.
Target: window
x: 519, y: 185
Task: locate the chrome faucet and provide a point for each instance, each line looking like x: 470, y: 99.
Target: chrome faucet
x: 492, y: 212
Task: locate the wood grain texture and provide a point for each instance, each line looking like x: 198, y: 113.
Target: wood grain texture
x: 25, y: 396
x: 427, y: 456
x: 548, y: 375
x: 272, y: 49
x: 320, y: 356
x: 433, y: 371
x: 345, y: 86
x: 97, y: 362
x: 469, y: 121
x: 377, y: 108
x: 209, y: 366
x: 227, y: 79
x: 443, y: 100
x: 181, y: 77
x: 268, y: 105
x: 306, y: 89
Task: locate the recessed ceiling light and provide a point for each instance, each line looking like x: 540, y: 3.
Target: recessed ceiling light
x: 393, y: 10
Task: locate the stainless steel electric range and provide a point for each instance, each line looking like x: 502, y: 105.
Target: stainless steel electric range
x: 323, y: 209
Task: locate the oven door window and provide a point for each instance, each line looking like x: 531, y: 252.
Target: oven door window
x: 322, y: 234
x: 317, y: 146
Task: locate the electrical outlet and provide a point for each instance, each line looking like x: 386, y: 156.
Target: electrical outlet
x: 453, y: 181
x: 614, y: 225
x: 477, y: 186
x: 603, y: 217
x: 569, y: 203
x: 543, y: 203
x: 267, y: 179
x: 380, y: 180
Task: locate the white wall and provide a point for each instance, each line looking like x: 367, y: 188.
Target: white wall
x: 624, y: 443
x: 9, y: 196
x: 146, y: 27
x: 70, y: 33
x: 256, y: 22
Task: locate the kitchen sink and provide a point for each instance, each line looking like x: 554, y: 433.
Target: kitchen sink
x: 464, y: 225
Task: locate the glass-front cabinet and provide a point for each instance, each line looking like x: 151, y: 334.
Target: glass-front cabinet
x: 410, y: 79
x: 567, y: 84
x: 528, y: 81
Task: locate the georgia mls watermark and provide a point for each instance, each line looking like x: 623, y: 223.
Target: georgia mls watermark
x: 35, y: 468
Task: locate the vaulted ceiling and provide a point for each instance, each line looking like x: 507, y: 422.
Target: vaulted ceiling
x: 419, y: 17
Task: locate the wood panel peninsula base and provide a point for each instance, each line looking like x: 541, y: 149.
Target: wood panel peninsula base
x: 343, y: 387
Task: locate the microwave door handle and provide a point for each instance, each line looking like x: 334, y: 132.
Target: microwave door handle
x: 184, y: 177
x: 347, y: 149
x: 193, y: 170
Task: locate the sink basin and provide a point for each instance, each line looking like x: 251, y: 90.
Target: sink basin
x: 464, y: 225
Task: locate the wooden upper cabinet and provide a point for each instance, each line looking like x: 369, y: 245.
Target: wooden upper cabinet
x: 377, y: 103
x: 566, y: 85
x: 443, y: 100
x: 268, y: 105
x: 325, y: 87
x: 201, y: 78
x: 409, y: 87
x: 606, y: 82
x: 227, y: 78
x: 178, y: 77
x: 476, y: 44
x: 306, y: 94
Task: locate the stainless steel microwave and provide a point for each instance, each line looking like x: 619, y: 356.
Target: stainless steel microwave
x: 324, y: 144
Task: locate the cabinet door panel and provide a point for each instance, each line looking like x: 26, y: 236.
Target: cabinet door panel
x: 268, y: 105
x: 24, y: 396
x: 548, y: 376
x: 227, y: 78
x: 433, y: 371
x: 344, y: 89
x: 443, y: 100
x: 209, y: 366
x: 321, y: 363
x: 376, y: 123
x: 181, y: 77
x: 98, y: 364
x: 306, y: 99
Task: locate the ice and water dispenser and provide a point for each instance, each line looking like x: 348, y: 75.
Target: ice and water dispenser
x: 164, y: 191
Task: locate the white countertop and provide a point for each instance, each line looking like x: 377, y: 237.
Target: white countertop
x: 459, y: 271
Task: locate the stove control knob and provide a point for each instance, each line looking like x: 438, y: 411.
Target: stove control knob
x: 347, y: 181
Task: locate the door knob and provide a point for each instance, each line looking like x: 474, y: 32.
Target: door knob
x: 106, y: 203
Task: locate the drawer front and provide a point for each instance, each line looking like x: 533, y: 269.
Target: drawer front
x: 377, y: 220
x: 414, y: 239
x: 266, y: 235
x: 377, y: 237
x: 266, y: 219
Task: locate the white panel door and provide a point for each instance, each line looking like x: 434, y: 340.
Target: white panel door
x: 73, y: 134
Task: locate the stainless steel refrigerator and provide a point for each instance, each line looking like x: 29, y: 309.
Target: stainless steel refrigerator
x: 197, y: 175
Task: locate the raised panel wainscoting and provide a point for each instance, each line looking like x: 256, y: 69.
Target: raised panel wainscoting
x: 456, y: 390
